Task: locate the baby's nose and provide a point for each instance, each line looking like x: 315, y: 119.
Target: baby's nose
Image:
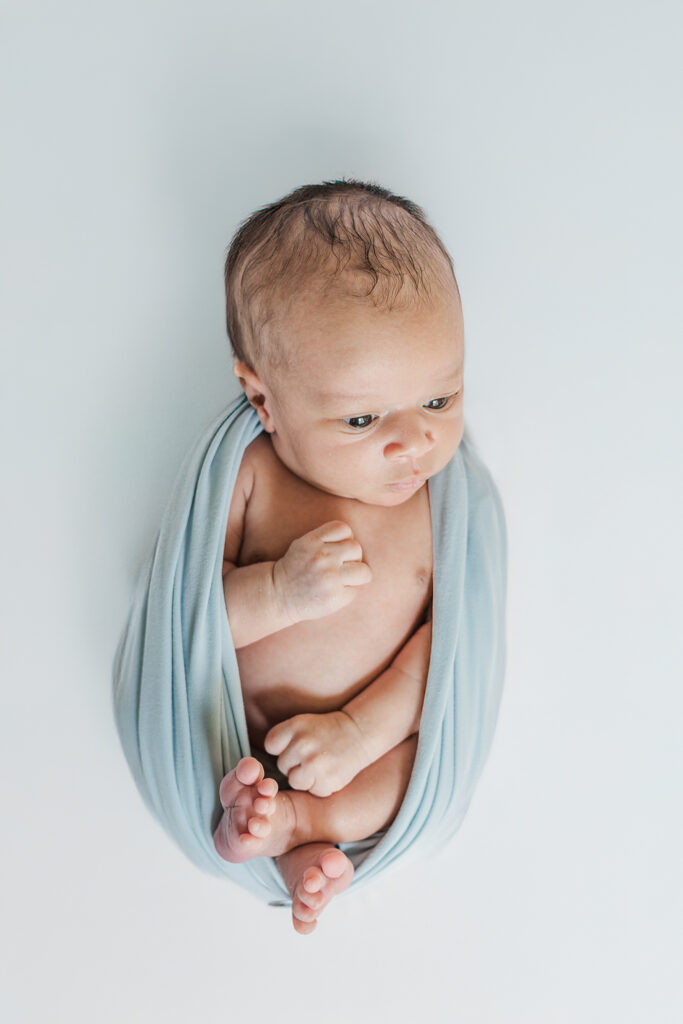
x: 410, y: 439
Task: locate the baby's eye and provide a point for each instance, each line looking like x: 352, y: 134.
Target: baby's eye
x: 444, y: 400
x: 355, y: 421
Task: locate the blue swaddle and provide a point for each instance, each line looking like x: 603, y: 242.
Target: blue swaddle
x: 176, y: 687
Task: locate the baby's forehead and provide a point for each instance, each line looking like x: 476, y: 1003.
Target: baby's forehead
x: 365, y: 385
x: 347, y: 349
x: 369, y: 367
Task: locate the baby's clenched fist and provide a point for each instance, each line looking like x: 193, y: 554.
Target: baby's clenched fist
x: 319, y: 572
x: 320, y: 753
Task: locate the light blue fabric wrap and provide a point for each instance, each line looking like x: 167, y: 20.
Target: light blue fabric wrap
x: 176, y: 687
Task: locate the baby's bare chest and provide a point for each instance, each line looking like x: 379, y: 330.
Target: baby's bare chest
x: 318, y: 665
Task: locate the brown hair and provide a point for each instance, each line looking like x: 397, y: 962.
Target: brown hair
x: 283, y: 250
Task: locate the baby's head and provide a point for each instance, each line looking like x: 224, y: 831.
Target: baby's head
x: 359, y: 387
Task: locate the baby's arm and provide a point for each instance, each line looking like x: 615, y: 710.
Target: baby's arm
x: 251, y: 602
x: 322, y: 753
x: 317, y: 575
x: 388, y: 710
x: 253, y: 606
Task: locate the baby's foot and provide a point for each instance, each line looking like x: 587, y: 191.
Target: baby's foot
x: 257, y: 820
x: 313, y: 873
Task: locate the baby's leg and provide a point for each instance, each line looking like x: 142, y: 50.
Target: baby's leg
x: 367, y: 804
x: 298, y: 828
x: 259, y: 821
x: 315, y: 872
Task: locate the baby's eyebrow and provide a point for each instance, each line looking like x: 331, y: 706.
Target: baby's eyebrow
x: 364, y: 396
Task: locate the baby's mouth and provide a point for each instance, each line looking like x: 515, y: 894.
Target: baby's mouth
x: 411, y: 484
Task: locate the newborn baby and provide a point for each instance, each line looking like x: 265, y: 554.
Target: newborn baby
x: 328, y: 552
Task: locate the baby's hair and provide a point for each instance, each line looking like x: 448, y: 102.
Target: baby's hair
x: 284, y: 250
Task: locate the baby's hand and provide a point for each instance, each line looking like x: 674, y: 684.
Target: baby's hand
x: 318, y: 753
x: 319, y: 572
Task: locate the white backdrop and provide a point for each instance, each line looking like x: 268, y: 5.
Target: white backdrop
x: 543, y: 141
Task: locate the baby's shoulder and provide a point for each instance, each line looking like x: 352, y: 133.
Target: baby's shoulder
x: 258, y: 464
x: 259, y: 446
x: 257, y: 456
x: 252, y: 459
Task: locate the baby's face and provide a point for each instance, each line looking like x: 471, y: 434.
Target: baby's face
x: 373, y: 398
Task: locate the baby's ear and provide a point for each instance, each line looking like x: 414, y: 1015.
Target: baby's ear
x: 240, y: 370
x: 255, y: 392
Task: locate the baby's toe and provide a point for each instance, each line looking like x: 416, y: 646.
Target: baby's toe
x: 334, y: 863
x: 249, y: 771
x: 303, y: 927
x: 314, y: 900
x: 259, y: 827
x: 267, y: 787
x: 264, y: 805
x: 313, y: 880
x: 303, y: 913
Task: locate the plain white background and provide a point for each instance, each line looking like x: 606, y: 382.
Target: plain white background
x: 543, y: 141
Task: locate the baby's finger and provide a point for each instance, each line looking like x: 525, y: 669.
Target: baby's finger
x: 278, y: 738
x: 321, y: 789
x: 290, y: 758
x: 335, y: 530
x: 355, y: 574
x: 301, y: 778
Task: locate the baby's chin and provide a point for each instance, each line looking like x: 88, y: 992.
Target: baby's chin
x: 387, y: 497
